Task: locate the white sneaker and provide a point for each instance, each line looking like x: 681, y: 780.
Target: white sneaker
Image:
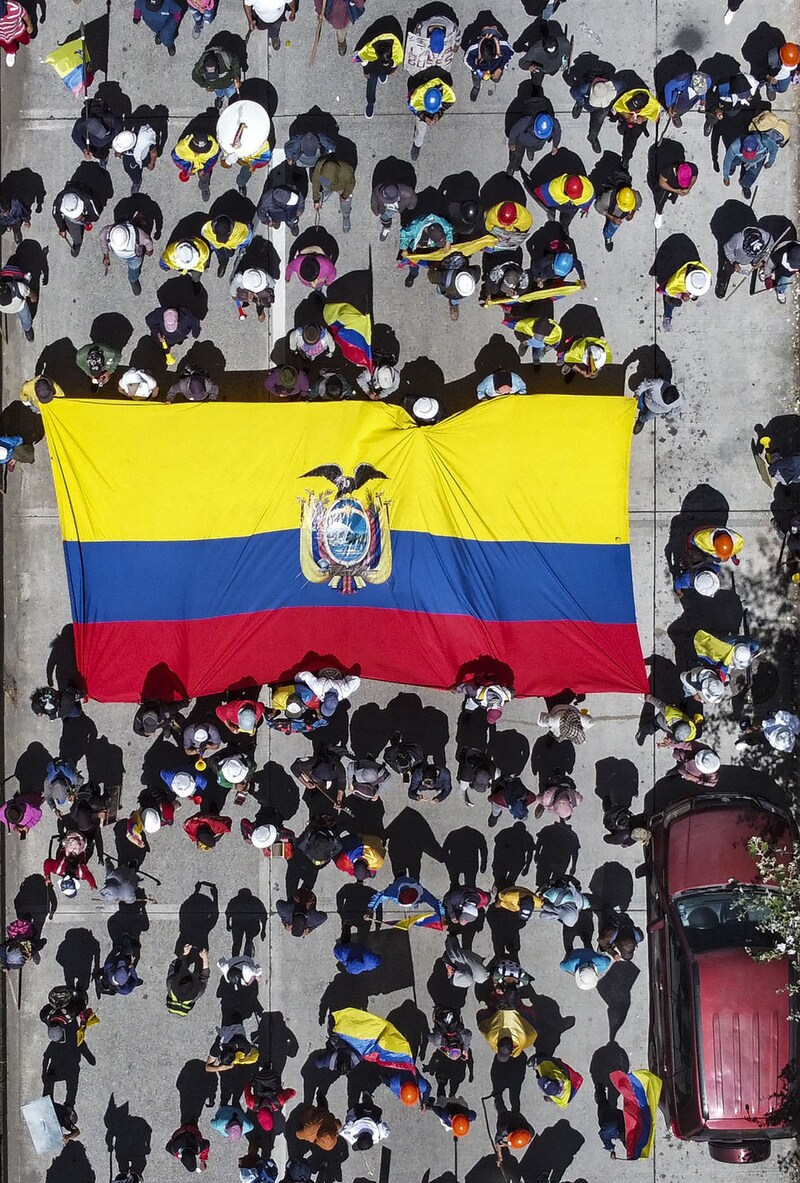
x: 728, y: 17
x: 10, y: 59
x: 658, y: 221
x: 781, y: 297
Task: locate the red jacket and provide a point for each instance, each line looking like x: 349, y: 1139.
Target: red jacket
x: 218, y: 825
x: 228, y: 712
x: 58, y: 866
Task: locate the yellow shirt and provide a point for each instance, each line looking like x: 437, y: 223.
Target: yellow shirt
x: 676, y: 286
x: 28, y: 392
x: 368, y: 53
x: 528, y: 327
x: 510, y: 898
x: 704, y: 541
x: 417, y: 97
x: 502, y: 1023
x: 576, y: 354
x: 556, y: 190
x: 197, y: 160
x: 238, y: 235
x: 203, y: 250
x: 651, y: 110
x: 522, y: 222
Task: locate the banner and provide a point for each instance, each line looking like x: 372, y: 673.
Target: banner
x: 224, y: 543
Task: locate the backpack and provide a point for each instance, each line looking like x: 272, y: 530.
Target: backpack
x: 769, y: 121
x: 179, y: 1006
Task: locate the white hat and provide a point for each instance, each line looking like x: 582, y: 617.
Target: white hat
x: 596, y: 354
x: 123, y: 141
x: 586, y: 977
x: 682, y: 731
x: 254, y: 279
x: 68, y: 887
x: 706, y: 583
x: 384, y: 377
x: 234, y: 770
x: 742, y: 656
x: 71, y: 205
x: 137, y: 383
x: 602, y: 94
x: 465, y: 283
x: 782, y: 739
x: 183, y: 784
x: 4, y: 452
x: 187, y: 254
x: 425, y: 408
x: 264, y: 836
x: 122, y: 237
x: 712, y: 689
x: 200, y: 735
x: 292, y: 198
x: 706, y: 760
x: 470, y: 910
x: 698, y: 281
x: 151, y: 820
x: 246, y: 719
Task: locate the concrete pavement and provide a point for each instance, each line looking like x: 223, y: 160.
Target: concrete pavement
x: 736, y: 362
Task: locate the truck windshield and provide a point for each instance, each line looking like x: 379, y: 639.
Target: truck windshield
x: 724, y: 919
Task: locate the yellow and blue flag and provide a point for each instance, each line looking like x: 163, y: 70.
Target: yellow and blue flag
x: 352, y: 332
x: 640, y: 1092
x: 71, y: 62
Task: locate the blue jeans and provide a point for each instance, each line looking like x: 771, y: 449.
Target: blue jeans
x: 609, y: 230
x: 750, y: 174
x: 25, y: 317
x: 781, y: 86
x: 134, y: 268
x: 537, y: 349
x: 227, y: 93
x: 203, y: 18
x: 670, y: 304
x: 166, y: 29
x: 372, y: 87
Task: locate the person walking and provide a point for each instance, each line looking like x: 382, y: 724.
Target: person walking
x: 187, y: 979
x: 430, y: 96
x: 728, y: 98
x: 312, y: 341
x: 656, y: 399
x: 750, y: 153
x: 282, y: 205
x: 117, y: 974
x: 744, y: 252
x: 617, y: 204
x: 186, y: 256
x: 535, y: 334
x: 14, y: 215
x: 379, y: 58
x: 313, y: 268
x: 17, y: 298
x: 534, y: 131
x: 98, y: 361
x: 486, y: 59
x: 74, y: 212
x: 781, y: 267
x: 287, y: 382
x: 196, y: 386
x: 429, y: 782
x: 674, y: 722
x: 306, y: 149
x: 318, y: 1126
x: 218, y: 71
x: 330, y: 176
x: 138, y: 384
x: 782, y: 69
x: 162, y: 18
x: 138, y: 151
x: 455, y: 279
x: 203, y: 13
x: 226, y: 237
x: 268, y: 16
x: 389, y: 199
x: 16, y: 28
x: 189, y: 1146
x: 563, y: 197
x: 196, y: 154
x: 339, y: 14
x: 686, y: 285
x: 299, y: 913
x: 171, y: 327
x: 94, y: 131
x: 633, y: 110
x: 38, y: 391
x: 548, y: 53
x: 685, y: 92
x: 128, y: 242
x: 252, y: 286
x: 596, y: 94
x: 508, y: 792
x: 674, y: 181
x: 584, y: 356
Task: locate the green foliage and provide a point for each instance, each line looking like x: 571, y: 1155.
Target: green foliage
x: 780, y: 918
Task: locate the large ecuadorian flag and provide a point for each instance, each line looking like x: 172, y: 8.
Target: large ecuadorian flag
x: 223, y: 543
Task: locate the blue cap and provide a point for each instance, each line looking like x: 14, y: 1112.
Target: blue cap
x: 329, y: 703
x: 543, y: 126
x: 433, y: 100
x: 563, y: 263
x: 437, y: 40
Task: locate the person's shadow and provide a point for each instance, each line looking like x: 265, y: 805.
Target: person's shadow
x: 71, y: 1163
x: 197, y: 1089
x: 465, y: 855
x: 198, y: 916
x: 514, y: 849
x: 611, y: 888
x: 127, y: 1137
x: 550, y: 1153
x: 276, y: 1041
x: 79, y: 957
x: 616, y: 781
x: 550, y: 1024
x: 245, y: 920
x: 409, y: 836
x: 615, y: 988
x: 556, y: 853
x: 507, y: 1080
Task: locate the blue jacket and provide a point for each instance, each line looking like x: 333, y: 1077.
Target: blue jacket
x: 579, y: 957
x: 677, y: 87
x: 769, y: 144
x: 355, y: 959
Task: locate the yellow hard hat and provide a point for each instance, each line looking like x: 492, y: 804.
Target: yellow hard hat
x: 626, y: 199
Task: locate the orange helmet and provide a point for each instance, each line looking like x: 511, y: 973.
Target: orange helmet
x: 518, y: 1139
x: 409, y: 1093
x: 460, y: 1125
x: 573, y: 187
x: 790, y: 54
x: 507, y: 213
x: 723, y: 544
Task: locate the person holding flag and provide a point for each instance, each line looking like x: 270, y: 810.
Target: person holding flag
x: 640, y: 1091
x: 559, y: 1083
x: 422, y: 910
x: 352, y: 332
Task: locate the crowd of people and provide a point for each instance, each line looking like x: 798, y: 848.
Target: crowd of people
x: 206, y: 753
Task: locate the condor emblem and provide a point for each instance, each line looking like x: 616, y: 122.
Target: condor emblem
x: 344, y: 534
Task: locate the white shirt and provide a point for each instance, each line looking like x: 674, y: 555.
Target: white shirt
x: 364, y: 1125
x: 267, y: 10
x: 145, y: 139
x: 139, y: 384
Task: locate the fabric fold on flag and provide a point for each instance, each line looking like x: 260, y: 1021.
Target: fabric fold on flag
x: 640, y: 1091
